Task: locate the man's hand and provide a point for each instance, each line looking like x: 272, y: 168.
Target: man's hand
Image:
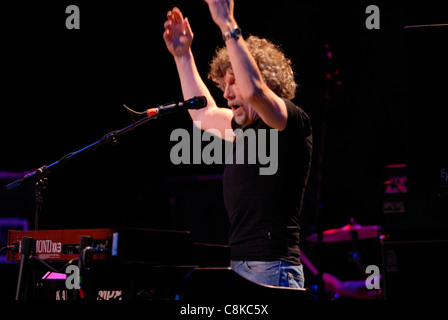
x: 222, y: 14
x: 178, y: 35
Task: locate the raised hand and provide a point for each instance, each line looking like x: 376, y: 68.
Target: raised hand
x: 222, y: 13
x: 178, y: 35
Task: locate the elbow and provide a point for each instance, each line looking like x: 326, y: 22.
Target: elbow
x: 254, y: 93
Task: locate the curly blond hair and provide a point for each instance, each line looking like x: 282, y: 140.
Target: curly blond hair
x: 275, y: 68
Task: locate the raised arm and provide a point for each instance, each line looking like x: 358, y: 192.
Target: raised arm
x: 269, y: 106
x: 178, y: 37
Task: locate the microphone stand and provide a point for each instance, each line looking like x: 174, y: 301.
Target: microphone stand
x: 319, y: 209
x: 39, y: 176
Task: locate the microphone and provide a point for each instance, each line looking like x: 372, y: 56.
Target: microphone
x: 193, y: 103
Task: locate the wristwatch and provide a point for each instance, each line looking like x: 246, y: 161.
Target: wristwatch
x: 234, y: 33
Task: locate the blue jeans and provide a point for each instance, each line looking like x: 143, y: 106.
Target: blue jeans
x: 273, y: 273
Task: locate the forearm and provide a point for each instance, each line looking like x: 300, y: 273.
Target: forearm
x: 248, y: 76
x: 178, y: 37
x: 191, y: 82
x: 269, y: 106
x: 210, y: 117
x: 252, y: 86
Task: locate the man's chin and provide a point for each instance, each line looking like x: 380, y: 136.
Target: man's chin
x: 241, y: 120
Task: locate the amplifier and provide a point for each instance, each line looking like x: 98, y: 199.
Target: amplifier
x: 415, y: 270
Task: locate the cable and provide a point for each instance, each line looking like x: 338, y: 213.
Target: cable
x: 133, y: 111
x: 86, y: 286
x: 62, y: 270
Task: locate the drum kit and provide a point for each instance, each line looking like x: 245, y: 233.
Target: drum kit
x: 350, y: 232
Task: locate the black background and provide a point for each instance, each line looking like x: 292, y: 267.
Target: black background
x: 64, y: 89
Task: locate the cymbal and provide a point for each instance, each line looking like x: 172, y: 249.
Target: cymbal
x: 348, y: 232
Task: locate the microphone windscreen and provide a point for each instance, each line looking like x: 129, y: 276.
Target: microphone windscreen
x: 198, y: 102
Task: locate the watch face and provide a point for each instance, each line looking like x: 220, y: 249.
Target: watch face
x: 237, y: 33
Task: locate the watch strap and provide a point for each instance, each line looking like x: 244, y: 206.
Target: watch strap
x: 234, y: 33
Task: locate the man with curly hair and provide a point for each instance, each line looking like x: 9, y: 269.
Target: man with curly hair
x: 258, y: 83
